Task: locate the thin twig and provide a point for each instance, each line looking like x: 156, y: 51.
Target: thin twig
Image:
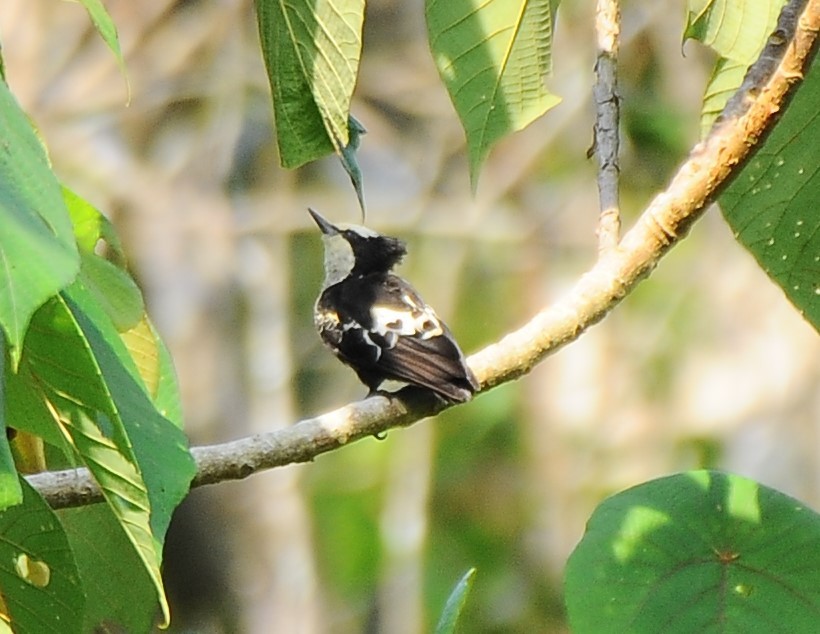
x: 607, y: 116
x: 709, y: 168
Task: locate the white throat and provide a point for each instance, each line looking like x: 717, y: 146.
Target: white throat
x: 339, y: 260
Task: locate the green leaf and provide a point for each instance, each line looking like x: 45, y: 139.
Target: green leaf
x: 106, y: 28
x: 112, y: 286
x: 38, y: 577
x: 27, y: 411
x: 113, y: 289
x: 493, y: 58
x: 90, y: 226
x: 156, y: 368
x: 123, y: 303
x: 38, y: 255
x: 772, y: 203
x: 311, y: 52
x: 735, y: 29
x: 167, y: 398
x: 726, y: 78
x: 77, y: 365
x: 103, y: 553
x: 455, y: 604
x: 696, y: 552
x: 75, y: 390
x: 159, y: 446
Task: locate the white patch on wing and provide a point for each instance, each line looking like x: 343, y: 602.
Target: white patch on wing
x: 408, y: 299
x: 370, y: 342
x: 414, y: 321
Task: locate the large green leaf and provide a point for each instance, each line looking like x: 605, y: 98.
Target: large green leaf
x: 160, y: 446
x: 697, y: 552
x: 103, y: 553
x: 38, y: 576
x: 38, y: 255
x: 60, y: 360
x: 772, y: 205
x: 311, y: 52
x: 76, y: 364
x: 139, y: 349
x: 493, y: 57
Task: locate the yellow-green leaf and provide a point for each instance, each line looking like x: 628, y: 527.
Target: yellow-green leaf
x: 311, y: 52
x: 493, y: 57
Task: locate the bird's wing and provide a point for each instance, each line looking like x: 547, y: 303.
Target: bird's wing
x: 380, y: 326
x: 417, y: 346
x: 435, y: 363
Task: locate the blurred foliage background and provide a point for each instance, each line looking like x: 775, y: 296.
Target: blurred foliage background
x: 705, y: 365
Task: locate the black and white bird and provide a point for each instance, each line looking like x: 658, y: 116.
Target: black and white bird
x: 376, y: 323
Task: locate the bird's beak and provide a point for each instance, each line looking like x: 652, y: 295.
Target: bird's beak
x: 327, y: 228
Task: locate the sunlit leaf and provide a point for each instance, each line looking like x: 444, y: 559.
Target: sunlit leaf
x: 690, y: 551
x: 77, y: 365
x: 110, y: 283
x: 735, y: 29
x: 144, y: 349
x: 78, y: 395
x: 726, y: 78
x: 493, y: 57
x: 91, y: 226
x: 311, y: 52
x: 156, y: 368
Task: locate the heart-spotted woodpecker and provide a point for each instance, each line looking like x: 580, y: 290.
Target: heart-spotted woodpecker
x: 377, y: 323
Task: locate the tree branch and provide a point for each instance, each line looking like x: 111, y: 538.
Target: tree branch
x: 710, y: 166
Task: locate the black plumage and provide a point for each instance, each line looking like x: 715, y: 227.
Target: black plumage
x: 376, y: 322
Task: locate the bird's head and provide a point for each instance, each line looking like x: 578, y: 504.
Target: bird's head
x: 356, y: 250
